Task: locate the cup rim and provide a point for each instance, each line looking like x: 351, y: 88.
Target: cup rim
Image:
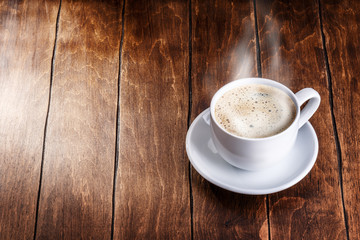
x: 254, y: 80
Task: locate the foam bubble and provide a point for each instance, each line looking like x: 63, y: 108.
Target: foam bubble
x: 255, y: 111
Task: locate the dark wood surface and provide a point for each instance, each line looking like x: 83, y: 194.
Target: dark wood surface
x: 27, y: 35
x: 152, y: 181
x: 291, y: 52
x: 96, y: 99
x: 341, y: 33
x: 78, y: 166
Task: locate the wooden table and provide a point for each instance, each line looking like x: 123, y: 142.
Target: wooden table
x: 96, y: 99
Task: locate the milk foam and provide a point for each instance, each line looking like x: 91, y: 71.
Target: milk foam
x: 255, y: 111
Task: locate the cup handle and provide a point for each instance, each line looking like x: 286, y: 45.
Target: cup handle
x: 310, y: 108
x: 206, y: 116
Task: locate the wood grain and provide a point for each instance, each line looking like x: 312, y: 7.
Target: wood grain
x: 174, y: 56
x: 341, y: 30
x: 76, y: 194
x: 223, y: 49
x: 292, y: 53
x: 27, y: 33
x: 152, y: 196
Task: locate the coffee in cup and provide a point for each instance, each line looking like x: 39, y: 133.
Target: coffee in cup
x: 255, y: 111
x: 246, y: 130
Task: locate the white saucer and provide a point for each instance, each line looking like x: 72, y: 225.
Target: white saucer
x: 285, y: 174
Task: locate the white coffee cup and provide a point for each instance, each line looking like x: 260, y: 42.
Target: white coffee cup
x: 259, y: 153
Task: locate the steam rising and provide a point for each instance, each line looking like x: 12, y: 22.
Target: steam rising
x: 271, y: 43
x: 244, y: 54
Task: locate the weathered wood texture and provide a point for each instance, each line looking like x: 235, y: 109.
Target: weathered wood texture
x: 152, y: 187
x: 292, y: 53
x: 341, y: 30
x: 156, y: 197
x: 223, y: 49
x: 27, y: 33
x: 76, y: 194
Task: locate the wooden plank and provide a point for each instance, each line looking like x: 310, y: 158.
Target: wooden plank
x: 76, y: 194
x: 27, y: 33
x: 292, y: 53
x: 152, y: 187
x: 341, y: 30
x: 223, y: 49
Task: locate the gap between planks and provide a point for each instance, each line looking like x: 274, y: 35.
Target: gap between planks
x: 259, y: 70
x: 331, y: 103
x: 189, y: 122
x: 46, y: 119
x: 117, y: 137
